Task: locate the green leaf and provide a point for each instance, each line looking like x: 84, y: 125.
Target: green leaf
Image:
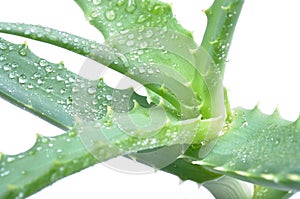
x: 110, y: 130
x: 222, y: 19
x: 268, y: 193
x: 155, y: 48
x: 50, y: 90
x: 229, y: 188
x: 259, y: 148
x: 118, y: 16
x: 47, y: 161
x: 191, y: 66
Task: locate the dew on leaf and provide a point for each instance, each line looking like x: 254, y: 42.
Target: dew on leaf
x: 50, y: 89
x: 5, y: 173
x: 52, y: 37
x: 142, y: 70
x: 149, y: 33
x: 12, y: 75
x: 131, y: 6
x: 23, y: 172
x: 2, y: 57
x: 108, y: 97
x: 40, y: 81
x: 7, y: 67
x: 10, y: 159
x: 110, y: 15
x: 22, y: 79
x: 95, y: 14
x: 59, y: 150
x: 22, y: 50
x: 97, y: 2
x: 130, y: 43
x: 144, y: 44
x: 91, y: 90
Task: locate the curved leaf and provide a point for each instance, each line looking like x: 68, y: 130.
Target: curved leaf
x: 259, y: 148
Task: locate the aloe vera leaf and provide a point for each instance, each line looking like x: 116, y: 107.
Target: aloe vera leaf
x: 56, y: 157
x: 261, y: 192
x: 47, y: 161
x: 222, y: 18
x: 258, y: 148
x: 172, y: 132
x: 178, y: 63
x: 48, y: 90
x: 113, y: 56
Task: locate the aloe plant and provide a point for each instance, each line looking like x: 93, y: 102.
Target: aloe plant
x: 184, y: 124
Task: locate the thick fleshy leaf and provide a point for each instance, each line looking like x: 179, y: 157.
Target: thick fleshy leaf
x: 259, y: 148
x: 50, y: 90
x: 112, y: 132
x: 155, y: 46
x: 158, y: 56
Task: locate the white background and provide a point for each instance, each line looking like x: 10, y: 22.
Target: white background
x: 263, y: 67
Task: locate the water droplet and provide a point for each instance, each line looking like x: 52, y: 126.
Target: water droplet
x: 108, y: 97
x: 44, y: 140
x: 120, y: 2
x: 110, y: 15
x: 22, y: 79
x: 10, y: 159
x: 43, y: 63
x: 2, y: 57
x: 95, y: 14
x: 50, y: 89
x: 149, y: 33
x: 97, y: 2
x: 59, y: 78
x: 14, y: 65
x: 23, y: 172
x: 142, y: 18
x: 39, y: 148
x: 59, y: 150
x: 5, y: 173
x: 245, y: 124
x: 7, y: 67
x: 130, y: 43
x: 40, y: 81
x: 131, y: 6
x: 142, y: 70
x: 22, y: 50
x: 91, y: 90
x: 30, y: 86
x: 69, y: 101
x: 51, y: 37
x: 3, y: 46
x: 12, y: 75
x: 63, y: 90
x: 144, y: 44
x: 150, y: 71
x: 48, y: 69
